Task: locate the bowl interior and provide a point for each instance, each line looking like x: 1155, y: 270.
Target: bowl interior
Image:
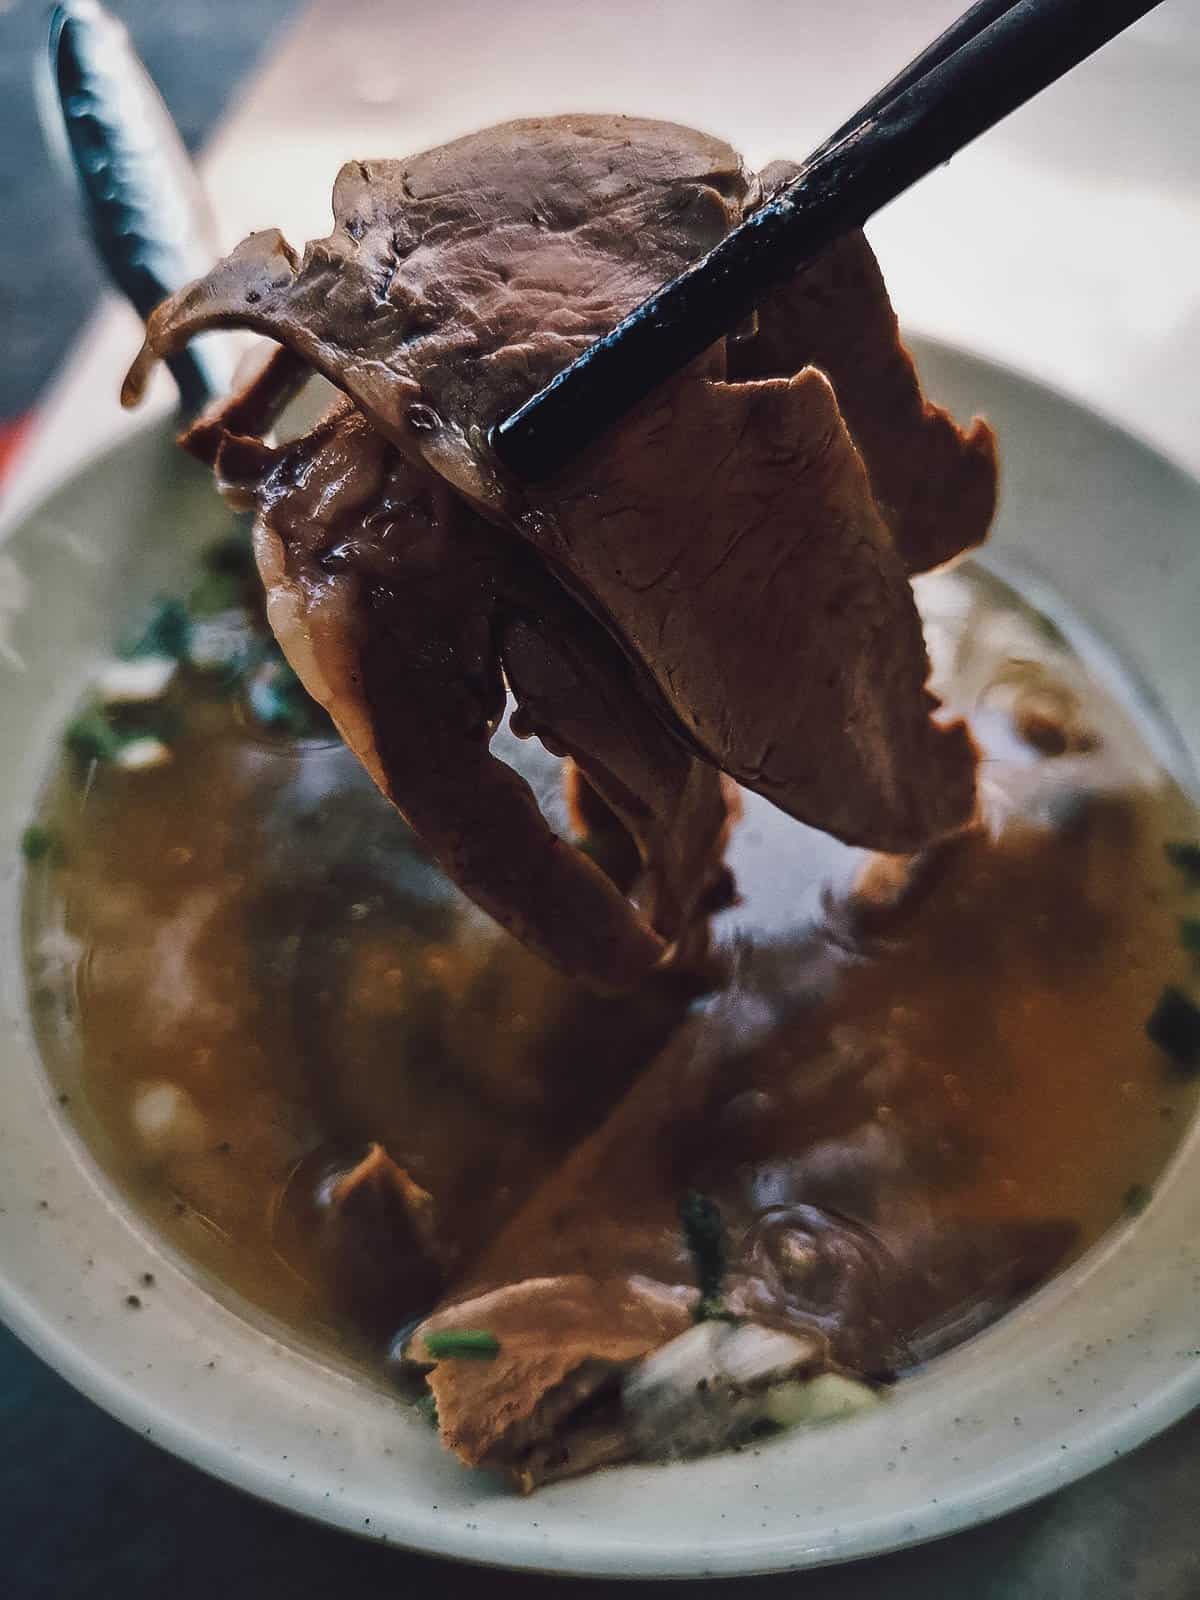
x: 1099, y: 1359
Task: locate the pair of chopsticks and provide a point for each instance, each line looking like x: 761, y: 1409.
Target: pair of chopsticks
x: 997, y: 56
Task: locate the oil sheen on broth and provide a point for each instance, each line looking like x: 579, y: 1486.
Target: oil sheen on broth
x: 245, y: 974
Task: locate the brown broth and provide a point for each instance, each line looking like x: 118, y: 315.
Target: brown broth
x: 246, y: 972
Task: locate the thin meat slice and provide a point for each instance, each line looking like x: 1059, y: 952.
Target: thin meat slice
x: 770, y: 620
x: 561, y: 1340
x: 772, y: 604
x: 458, y: 281
x: 935, y: 484
x: 251, y: 407
x: 576, y: 693
x: 374, y: 1232
x: 396, y: 606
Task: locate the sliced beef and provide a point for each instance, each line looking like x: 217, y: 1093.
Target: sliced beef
x: 935, y: 486
x: 458, y: 281
x: 399, y: 607
x: 772, y: 603
x: 372, y: 1230
x: 844, y: 1190
x: 561, y: 1339
x: 726, y: 535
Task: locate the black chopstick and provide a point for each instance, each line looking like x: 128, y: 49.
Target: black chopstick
x: 1009, y: 60
x: 974, y: 20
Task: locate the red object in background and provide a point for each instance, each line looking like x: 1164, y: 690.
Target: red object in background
x: 11, y: 436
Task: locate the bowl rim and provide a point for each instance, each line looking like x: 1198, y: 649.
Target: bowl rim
x: 1050, y: 1469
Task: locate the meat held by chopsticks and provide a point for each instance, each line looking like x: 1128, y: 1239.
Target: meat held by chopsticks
x: 399, y: 608
x: 742, y: 541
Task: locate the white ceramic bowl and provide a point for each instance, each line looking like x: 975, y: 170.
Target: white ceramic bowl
x: 1098, y: 1360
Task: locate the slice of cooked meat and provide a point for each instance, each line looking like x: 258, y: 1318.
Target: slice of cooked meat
x: 398, y: 607
x: 560, y: 1340
x: 849, y: 1206
x: 772, y: 604
x: 935, y: 486
x: 373, y: 1230
x: 566, y: 1385
x: 255, y: 403
x: 455, y: 283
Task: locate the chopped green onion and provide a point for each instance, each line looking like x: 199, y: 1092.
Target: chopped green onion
x: 166, y: 633
x: 1189, y: 934
x: 228, y: 655
x: 123, y: 733
x: 427, y: 1406
x: 1174, y: 1026
x: 1186, y: 856
x: 703, y: 1233
x: 475, y: 1344
x: 1135, y: 1199
x: 40, y: 844
x: 90, y: 737
x: 280, y: 701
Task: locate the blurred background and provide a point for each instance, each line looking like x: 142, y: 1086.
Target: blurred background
x: 1081, y: 211
x: 49, y: 281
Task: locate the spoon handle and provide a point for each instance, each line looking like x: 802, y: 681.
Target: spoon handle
x: 106, y: 123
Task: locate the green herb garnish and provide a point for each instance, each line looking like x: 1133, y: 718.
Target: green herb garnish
x: 1135, y: 1199
x: 230, y: 673
x: 166, y: 633
x: 1189, y: 934
x: 427, y: 1406
x: 1174, y: 1026
x: 476, y: 1344
x: 280, y: 701
x: 99, y: 735
x: 39, y: 843
x: 1186, y: 856
x: 704, y: 1235
x: 91, y: 737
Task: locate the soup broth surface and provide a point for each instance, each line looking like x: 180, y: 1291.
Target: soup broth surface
x: 246, y: 973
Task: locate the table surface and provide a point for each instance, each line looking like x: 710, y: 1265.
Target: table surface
x: 1064, y: 244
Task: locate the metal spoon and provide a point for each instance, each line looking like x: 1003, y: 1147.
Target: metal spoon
x: 108, y: 128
